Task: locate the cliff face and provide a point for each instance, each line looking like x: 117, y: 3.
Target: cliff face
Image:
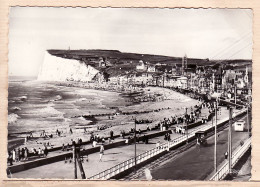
x: 60, y: 69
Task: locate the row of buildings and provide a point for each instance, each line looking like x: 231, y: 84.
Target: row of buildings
x: 204, y: 79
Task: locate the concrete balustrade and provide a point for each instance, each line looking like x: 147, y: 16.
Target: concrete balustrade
x: 224, y: 170
x: 142, y: 158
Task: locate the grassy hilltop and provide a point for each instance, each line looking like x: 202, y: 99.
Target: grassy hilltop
x: 120, y: 62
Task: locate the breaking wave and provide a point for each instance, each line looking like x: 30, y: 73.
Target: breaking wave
x: 82, y: 118
x: 49, y: 111
x: 22, y: 98
x: 15, y: 108
x: 57, y: 98
x: 82, y: 99
x: 12, y: 118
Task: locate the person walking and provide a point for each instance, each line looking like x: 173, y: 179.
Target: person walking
x: 101, y: 152
x: 226, y: 155
x: 22, y: 154
x: 25, y: 153
x: 112, y: 135
x: 18, y: 155
x: 45, y: 151
x: 14, y: 155
x: 94, y: 143
x: 39, y: 152
x: 10, y: 158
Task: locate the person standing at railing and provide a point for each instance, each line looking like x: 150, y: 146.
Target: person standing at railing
x: 112, y: 135
x: 10, y: 158
x: 94, y: 143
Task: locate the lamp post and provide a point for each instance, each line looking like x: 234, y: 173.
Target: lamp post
x: 215, y: 148
x: 235, y: 90
x: 135, y: 141
x: 187, y: 141
x: 230, y: 140
x: 75, y: 159
x: 248, y: 122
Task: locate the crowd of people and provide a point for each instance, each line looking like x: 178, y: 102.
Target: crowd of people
x: 94, y: 139
x: 142, y: 121
x: 22, y: 154
x: 187, y: 118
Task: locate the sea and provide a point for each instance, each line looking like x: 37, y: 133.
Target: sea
x: 34, y: 106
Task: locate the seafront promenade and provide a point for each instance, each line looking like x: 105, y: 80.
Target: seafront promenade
x: 111, y: 157
x: 195, y: 163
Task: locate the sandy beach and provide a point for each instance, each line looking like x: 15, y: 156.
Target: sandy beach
x: 36, y: 106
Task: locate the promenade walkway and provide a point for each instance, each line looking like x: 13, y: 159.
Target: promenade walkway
x: 111, y: 157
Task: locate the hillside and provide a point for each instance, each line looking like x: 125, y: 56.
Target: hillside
x: 122, y: 63
x: 115, y: 54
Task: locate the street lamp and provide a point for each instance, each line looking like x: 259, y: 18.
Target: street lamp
x: 215, y: 148
x: 187, y: 141
x: 230, y: 140
x: 135, y: 140
x: 248, y: 122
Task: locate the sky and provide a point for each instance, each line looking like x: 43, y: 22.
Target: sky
x: 198, y: 33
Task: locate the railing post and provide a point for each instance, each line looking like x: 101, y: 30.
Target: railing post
x: 108, y: 173
x: 230, y: 140
x: 118, y: 169
x: 75, y: 159
x: 127, y: 164
x: 113, y: 171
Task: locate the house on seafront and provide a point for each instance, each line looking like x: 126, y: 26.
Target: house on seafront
x: 143, y: 78
x: 113, y: 80
x: 151, y: 68
x: 182, y: 82
x: 141, y: 66
x: 171, y: 81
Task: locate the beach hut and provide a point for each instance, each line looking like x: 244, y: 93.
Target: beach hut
x: 239, y: 125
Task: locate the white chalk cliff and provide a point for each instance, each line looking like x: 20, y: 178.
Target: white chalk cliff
x: 61, y: 69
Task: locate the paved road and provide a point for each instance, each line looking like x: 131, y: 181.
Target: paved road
x: 198, y: 162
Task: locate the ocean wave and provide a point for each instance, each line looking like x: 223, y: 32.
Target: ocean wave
x: 49, y: 110
x: 81, y: 118
x: 12, y: 118
x: 16, y: 108
x: 57, y: 98
x: 82, y: 99
x: 22, y: 98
